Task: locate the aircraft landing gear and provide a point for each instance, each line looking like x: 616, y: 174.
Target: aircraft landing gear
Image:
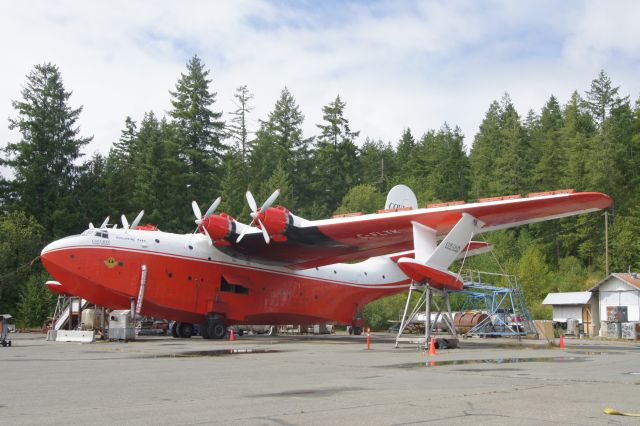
x: 183, y: 330
x: 355, y: 330
x: 214, y: 328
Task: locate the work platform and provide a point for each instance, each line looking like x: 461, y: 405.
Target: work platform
x: 503, y: 307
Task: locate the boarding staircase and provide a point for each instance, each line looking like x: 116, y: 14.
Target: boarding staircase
x: 67, y: 309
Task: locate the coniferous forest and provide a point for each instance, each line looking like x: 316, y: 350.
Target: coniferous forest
x: 163, y: 161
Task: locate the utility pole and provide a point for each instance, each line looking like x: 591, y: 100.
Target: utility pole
x: 606, y: 242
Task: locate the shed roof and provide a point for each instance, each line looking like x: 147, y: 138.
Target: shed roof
x: 632, y: 279
x: 569, y: 298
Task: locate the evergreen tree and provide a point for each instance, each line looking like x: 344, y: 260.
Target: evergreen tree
x: 484, y: 152
x: 511, y: 172
x: 279, y: 140
x: 377, y: 164
x: 406, y: 154
x: 44, y: 161
x: 199, y: 130
x: 120, y: 171
x: 21, y: 239
x: 234, y: 185
x: 441, y: 166
x: 577, y: 129
x: 602, y: 97
x: 336, y: 156
x: 549, y: 151
x: 238, y: 127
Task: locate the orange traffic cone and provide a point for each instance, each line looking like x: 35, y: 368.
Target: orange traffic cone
x: 232, y: 336
x: 561, y: 341
x: 432, y: 346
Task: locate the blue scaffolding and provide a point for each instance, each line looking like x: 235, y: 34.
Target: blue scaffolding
x: 507, y: 313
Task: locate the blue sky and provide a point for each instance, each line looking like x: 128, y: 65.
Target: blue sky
x: 397, y: 64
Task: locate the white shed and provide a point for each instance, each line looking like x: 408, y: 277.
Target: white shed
x: 580, y: 305
x: 619, y: 293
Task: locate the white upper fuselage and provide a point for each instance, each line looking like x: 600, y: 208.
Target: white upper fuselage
x: 372, y: 272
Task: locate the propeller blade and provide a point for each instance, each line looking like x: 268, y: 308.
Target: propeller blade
x: 244, y: 231
x: 104, y: 224
x: 252, y: 202
x: 125, y: 222
x: 265, y: 234
x: 91, y: 225
x: 196, y: 210
x: 137, y: 220
x: 204, y: 228
x: 270, y: 200
x: 213, y: 207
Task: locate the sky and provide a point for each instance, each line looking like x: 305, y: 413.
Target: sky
x: 397, y: 64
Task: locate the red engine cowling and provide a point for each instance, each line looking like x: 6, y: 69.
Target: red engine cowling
x: 276, y: 220
x: 219, y: 226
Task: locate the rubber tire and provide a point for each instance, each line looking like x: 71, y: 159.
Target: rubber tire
x: 217, y: 330
x: 357, y: 331
x: 185, y: 330
x: 204, y: 330
x: 214, y: 328
x: 174, y: 329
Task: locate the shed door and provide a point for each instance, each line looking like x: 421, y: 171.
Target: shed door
x: 586, y: 320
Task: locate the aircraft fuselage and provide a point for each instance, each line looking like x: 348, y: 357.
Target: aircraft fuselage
x: 188, y: 279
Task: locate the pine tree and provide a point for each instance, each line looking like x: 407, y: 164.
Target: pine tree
x: 279, y: 140
x: 336, y: 156
x: 550, y: 153
x: 44, y: 161
x: 120, y: 171
x: 484, y: 152
x: 511, y: 172
x: 21, y: 239
x: 238, y: 127
x: 602, y: 97
x: 577, y: 129
x: 377, y: 164
x: 199, y: 130
x: 335, y: 128
x: 234, y: 185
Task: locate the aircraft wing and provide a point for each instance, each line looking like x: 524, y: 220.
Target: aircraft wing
x: 343, y: 239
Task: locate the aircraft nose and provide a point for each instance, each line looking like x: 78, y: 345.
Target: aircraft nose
x: 57, y: 244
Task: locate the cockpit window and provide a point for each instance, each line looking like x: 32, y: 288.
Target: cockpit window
x: 102, y: 233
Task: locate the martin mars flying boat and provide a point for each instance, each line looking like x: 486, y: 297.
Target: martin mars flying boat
x: 283, y: 269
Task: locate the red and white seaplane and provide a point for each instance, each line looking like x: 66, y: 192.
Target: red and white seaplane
x: 285, y: 269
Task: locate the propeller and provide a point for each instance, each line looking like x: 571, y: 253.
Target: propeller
x: 255, y: 214
x: 125, y: 222
x: 104, y: 223
x: 198, y: 214
x: 136, y: 221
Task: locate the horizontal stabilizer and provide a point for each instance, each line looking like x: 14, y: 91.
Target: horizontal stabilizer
x: 474, y: 248
x: 436, y: 278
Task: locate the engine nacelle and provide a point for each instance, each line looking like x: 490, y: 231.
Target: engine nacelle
x: 276, y: 220
x: 219, y: 227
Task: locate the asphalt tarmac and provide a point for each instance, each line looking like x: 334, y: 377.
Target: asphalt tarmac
x: 327, y: 380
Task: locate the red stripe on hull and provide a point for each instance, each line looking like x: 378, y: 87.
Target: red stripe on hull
x: 186, y: 289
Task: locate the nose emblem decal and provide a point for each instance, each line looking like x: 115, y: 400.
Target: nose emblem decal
x: 110, y: 262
